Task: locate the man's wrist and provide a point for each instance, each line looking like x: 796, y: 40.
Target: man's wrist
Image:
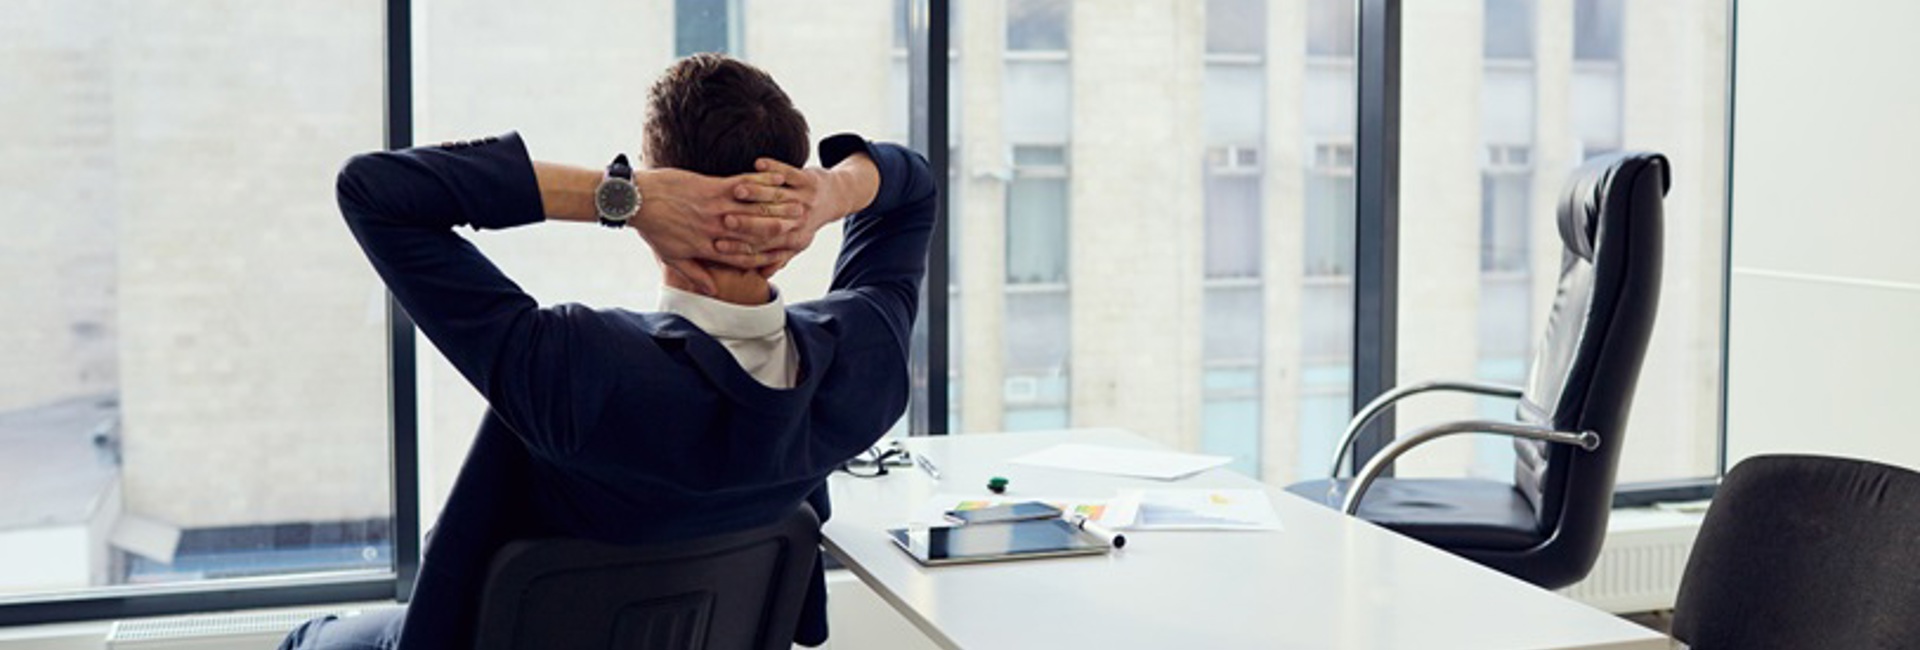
x: 647, y: 183
x: 858, y: 183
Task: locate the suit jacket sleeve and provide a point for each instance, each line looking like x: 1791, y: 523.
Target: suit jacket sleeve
x: 402, y: 206
x: 883, y: 257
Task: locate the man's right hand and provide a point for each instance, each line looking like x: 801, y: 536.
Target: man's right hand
x: 685, y: 217
x: 823, y: 196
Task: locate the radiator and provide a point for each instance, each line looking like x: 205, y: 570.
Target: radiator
x: 1640, y: 566
x: 249, y: 630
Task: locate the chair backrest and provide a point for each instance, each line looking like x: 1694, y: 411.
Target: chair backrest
x: 1805, y: 552
x: 734, y: 591
x: 1588, y: 361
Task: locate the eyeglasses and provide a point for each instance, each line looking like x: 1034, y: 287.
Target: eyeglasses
x: 875, y: 462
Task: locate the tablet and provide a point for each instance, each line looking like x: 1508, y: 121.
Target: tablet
x: 998, y: 542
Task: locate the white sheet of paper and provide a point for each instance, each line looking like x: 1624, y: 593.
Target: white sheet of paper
x: 1163, y: 465
x: 1192, y: 510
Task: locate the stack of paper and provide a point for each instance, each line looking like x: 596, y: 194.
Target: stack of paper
x: 1192, y: 510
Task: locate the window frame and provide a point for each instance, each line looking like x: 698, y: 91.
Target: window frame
x: 134, y: 601
x: 1374, y: 280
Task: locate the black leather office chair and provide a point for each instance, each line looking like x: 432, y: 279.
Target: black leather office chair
x: 734, y: 591
x: 1805, y: 552
x: 1547, y: 526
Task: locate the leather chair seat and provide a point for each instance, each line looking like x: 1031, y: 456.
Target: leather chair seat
x: 1448, y: 513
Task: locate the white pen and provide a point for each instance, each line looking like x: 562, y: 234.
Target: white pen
x: 1108, y: 535
x: 926, y: 466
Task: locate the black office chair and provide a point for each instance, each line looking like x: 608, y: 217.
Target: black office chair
x: 1805, y: 552
x: 1546, y: 527
x: 734, y: 591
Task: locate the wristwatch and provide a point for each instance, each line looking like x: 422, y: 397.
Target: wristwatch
x: 617, y: 199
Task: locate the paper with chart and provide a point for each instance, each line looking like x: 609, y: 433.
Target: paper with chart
x: 1196, y: 509
x: 1100, y: 459
x: 933, y: 512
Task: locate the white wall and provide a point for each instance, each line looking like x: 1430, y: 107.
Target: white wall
x: 1826, y: 282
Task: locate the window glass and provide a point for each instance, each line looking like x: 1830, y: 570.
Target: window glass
x: 1233, y: 225
x: 1596, y: 29
x: 1188, y: 186
x: 192, y: 358
x: 475, y: 79
x: 1509, y: 29
x: 1237, y: 26
x: 703, y: 26
x: 1483, y: 174
x: 1332, y: 28
x: 1037, y: 25
x: 1037, y: 230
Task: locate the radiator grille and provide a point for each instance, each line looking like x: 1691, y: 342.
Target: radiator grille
x: 1640, y: 566
x: 161, y: 632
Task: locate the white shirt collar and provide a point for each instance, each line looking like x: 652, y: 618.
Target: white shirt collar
x: 725, y: 320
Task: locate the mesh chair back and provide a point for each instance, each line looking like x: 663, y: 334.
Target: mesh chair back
x: 1805, y: 552
x: 735, y: 591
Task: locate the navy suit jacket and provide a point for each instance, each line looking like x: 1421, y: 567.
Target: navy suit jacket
x: 623, y: 426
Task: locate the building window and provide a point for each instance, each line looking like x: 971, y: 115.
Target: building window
x: 1237, y: 27
x: 1506, y: 193
x: 1597, y: 29
x: 1233, y: 215
x: 1037, y: 216
x: 1509, y: 30
x: 1038, y: 25
x: 706, y: 26
x: 1329, y: 244
x: 158, y: 424
x: 1332, y: 30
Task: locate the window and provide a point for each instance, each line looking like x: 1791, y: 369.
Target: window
x: 1237, y: 27
x: 1329, y: 219
x: 1037, y: 25
x: 192, y: 362
x: 480, y: 82
x: 1506, y: 209
x: 1233, y: 301
x: 1331, y: 28
x: 1597, y: 30
x: 1097, y: 245
x: 1509, y: 29
x: 705, y: 26
x: 1480, y: 252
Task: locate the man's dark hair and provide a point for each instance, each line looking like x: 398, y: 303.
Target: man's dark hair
x: 712, y: 114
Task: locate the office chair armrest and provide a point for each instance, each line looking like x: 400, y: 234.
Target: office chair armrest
x: 1587, y: 440
x: 1386, y: 400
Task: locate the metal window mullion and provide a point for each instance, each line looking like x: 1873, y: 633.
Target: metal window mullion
x: 402, y: 389
x: 928, y: 44
x: 1377, y: 218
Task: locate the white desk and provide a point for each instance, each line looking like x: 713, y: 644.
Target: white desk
x: 1324, y: 581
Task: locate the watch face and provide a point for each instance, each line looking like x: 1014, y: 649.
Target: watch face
x: 617, y: 199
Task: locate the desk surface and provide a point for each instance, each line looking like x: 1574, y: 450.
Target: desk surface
x: 1323, y: 581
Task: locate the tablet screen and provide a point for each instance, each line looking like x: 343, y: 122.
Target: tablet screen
x: 996, y: 541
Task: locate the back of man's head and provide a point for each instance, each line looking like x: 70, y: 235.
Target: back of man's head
x: 712, y: 114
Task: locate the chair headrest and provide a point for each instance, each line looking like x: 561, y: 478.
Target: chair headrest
x: 1589, y: 188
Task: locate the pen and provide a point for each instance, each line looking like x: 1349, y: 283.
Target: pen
x: 1108, y: 535
x: 926, y: 466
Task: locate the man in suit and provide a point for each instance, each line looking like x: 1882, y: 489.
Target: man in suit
x: 721, y: 412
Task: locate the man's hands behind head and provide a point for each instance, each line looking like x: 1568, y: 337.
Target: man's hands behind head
x: 683, y: 217
x: 751, y: 222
